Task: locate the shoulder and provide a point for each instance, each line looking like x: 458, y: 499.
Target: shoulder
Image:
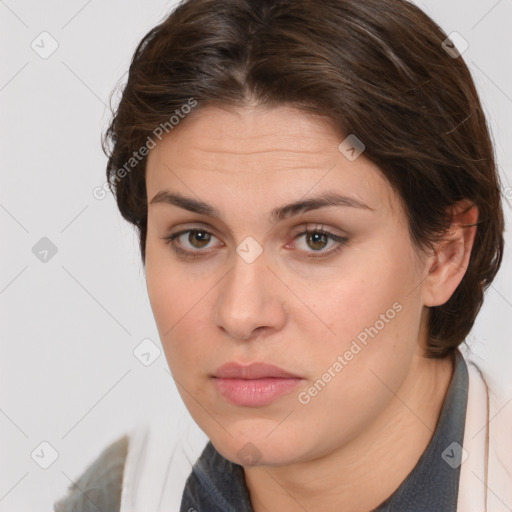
x: 100, y: 486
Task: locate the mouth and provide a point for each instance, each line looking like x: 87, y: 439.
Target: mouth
x: 255, y: 385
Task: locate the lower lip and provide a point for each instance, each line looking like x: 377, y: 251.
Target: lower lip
x: 254, y: 392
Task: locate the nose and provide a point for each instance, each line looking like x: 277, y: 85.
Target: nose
x: 250, y: 299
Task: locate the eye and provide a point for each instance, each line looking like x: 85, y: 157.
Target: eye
x: 318, y: 239
x: 195, y: 239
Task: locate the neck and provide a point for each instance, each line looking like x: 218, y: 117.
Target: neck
x: 360, y: 475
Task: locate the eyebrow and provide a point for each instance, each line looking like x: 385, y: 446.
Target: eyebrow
x: 327, y: 199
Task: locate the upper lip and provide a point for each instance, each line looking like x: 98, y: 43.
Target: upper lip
x: 252, y: 371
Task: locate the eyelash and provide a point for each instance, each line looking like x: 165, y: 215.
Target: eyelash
x: 341, y: 241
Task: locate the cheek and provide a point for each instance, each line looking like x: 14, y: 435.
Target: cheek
x: 369, y: 289
x: 353, y: 375
x: 181, y: 302
x: 374, y: 312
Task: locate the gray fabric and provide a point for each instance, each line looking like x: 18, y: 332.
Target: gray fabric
x: 215, y: 485
x: 99, y: 488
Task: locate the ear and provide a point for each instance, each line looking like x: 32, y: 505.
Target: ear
x: 448, y: 263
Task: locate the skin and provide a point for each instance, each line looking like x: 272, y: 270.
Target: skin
x: 354, y: 442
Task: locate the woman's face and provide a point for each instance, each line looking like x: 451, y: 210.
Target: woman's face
x: 338, y: 310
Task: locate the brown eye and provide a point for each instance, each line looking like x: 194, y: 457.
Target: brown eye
x: 190, y: 242
x: 313, y: 242
x: 199, y: 239
x: 317, y: 240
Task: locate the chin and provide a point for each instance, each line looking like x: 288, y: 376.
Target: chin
x: 258, y: 450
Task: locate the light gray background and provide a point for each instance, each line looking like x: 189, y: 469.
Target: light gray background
x: 69, y: 326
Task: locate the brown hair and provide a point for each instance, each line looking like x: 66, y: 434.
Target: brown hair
x: 376, y: 68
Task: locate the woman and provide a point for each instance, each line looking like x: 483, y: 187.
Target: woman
x: 319, y: 213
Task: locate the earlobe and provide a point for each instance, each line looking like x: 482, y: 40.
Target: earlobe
x: 449, y: 261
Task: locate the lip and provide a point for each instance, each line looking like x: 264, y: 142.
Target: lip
x: 253, y: 385
x: 252, y: 371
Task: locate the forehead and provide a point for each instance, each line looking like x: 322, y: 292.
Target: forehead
x: 265, y: 152
x: 242, y: 131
